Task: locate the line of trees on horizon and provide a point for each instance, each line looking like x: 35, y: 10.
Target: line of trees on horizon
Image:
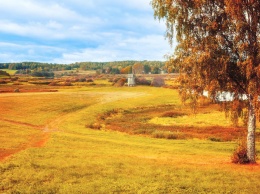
x: 115, y: 67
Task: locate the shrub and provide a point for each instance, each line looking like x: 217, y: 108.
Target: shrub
x: 53, y: 83
x: 95, y: 126
x: 168, y: 135
x: 240, y: 154
x: 142, y: 81
x: 3, y: 81
x: 143, y: 131
x: 14, y: 78
x: 42, y: 74
x: 17, y: 90
x: 109, y: 113
x: 114, y: 80
x: 66, y: 84
x: 216, y: 139
x: 172, y: 114
x: 171, y: 135
x: 120, y: 82
x: 158, y: 82
x: 82, y: 79
x: 158, y: 134
x: 110, y: 80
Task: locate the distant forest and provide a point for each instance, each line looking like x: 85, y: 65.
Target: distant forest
x: 116, y: 67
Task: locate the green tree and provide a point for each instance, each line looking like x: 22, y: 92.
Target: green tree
x: 147, y: 68
x: 115, y: 71
x: 218, y: 49
x: 155, y: 70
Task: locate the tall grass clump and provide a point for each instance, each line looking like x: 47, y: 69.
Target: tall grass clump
x: 168, y: 135
x: 240, y: 154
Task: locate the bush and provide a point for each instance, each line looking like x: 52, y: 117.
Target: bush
x: 158, y: 82
x: 66, y: 84
x: 17, y: 90
x: 109, y: 113
x: 3, y: 81
x: 42, y: 74
x: 114, y: 79
x: 142, y: 81
x: 215, y: 139
x: 173, y: 114
x: 82, y: 79
x: 240, y: 154
x: 120, y: 82
x: 14, y: 78
x: 168, y: 135
x: 95, y: 126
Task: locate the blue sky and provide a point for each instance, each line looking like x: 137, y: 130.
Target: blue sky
x: 67, y: 31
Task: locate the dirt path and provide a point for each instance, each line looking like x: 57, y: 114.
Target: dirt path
x: 21, y: 123
x: 36, y: 141
x: 33, y: 140
x: 54, y: 125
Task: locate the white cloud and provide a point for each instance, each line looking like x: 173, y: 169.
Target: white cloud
x: 29, y: 46
x: 138, y: 4
x: 80, y: 30
x: 31, y: 10
x: 146, y: 48
x: 28, y: 52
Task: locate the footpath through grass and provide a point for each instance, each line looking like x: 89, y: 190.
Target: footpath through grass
x: 77, y: 159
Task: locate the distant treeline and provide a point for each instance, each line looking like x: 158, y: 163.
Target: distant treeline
x: 116, y: 67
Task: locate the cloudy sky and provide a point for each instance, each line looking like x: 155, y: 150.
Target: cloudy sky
x: 67, y: 31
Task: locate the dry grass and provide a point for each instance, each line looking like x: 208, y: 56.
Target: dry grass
x: 172, y: 122
x: 76, y: 159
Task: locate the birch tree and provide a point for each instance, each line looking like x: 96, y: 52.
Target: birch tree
x: 218, y: 50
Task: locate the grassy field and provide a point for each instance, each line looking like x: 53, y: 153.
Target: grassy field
x: 47, y: 145
x: 11, y: 72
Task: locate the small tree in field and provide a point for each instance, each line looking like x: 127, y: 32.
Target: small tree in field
x: 218, y: 50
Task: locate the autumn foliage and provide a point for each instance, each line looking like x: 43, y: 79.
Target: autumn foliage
x: 218, y: 50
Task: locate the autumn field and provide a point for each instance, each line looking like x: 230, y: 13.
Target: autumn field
x: 97, y: 138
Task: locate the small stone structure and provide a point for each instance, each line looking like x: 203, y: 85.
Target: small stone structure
x: 131, y: 80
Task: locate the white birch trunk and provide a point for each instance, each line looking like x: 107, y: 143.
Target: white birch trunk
x: 251, y: 151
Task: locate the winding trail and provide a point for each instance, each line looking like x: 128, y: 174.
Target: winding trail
x: 39, y: 140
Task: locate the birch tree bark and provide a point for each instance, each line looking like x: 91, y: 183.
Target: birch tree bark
x: 251, y: 150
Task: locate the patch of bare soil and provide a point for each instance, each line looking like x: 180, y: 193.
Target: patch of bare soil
x: 38, y: 140
x: 22, y: 123
x: 34, y: 141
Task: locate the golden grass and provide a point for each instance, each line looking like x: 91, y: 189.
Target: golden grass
x: 76, y: 159
x: 11, y: 72
x: 39, y: 108
x: 198, y: 120
x: 13, y: 135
